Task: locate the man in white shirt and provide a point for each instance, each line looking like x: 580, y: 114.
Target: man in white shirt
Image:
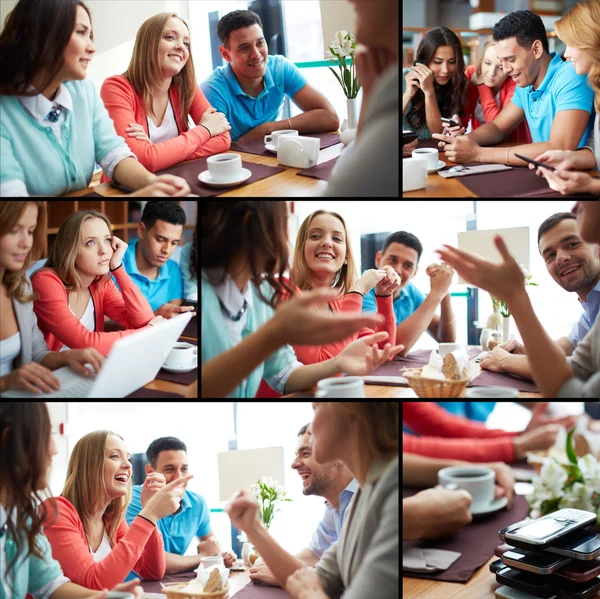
x: 335, y: 483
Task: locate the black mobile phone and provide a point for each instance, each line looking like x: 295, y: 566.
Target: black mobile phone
x: 496, y: 565
x: 541, y: 586
x: 538, y: 563
x: 579, y: 571
x: 576, y: 590
x: 419, y: 61
x: 548, y: 529
x: 583, y: 546
x: 451, y: 122
x: 542, y: 164
x: 499, y: 551
x: 408, y: 136
x: 190, y: 303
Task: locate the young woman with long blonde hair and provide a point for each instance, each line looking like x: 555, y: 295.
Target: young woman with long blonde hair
x: 579, y: 29
x: 151, y: 103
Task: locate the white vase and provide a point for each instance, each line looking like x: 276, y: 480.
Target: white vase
x: 352, y: 107
x: 506, y: 328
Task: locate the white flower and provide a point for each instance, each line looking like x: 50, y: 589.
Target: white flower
x: 590, y: 469
x: 255, y: 489
x: 579, y: 496
x: 553, y: 476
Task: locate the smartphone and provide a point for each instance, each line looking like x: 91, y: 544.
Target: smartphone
x: 190, y: 303
x: 548, y: 529
x: 408, y: 136
x: 575, y: 590
x: 505, y: 592
x: 496, y: 565
x: 541, y: 586
x: 451, y: 123
x: 580, y: 545
x: 419, y: 61
x: 502, y: 548
x: 578, y: 571
x: 538, y: 563
x: 542, y: 164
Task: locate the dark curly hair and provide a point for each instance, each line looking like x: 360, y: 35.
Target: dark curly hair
x: 237, y: 19
x: 452, y: 96
x: 168, y: 210
x: 163, y: 444
x: 524, y: 25
x: 407, y: 239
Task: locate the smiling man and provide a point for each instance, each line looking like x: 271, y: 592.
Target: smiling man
x: 556, y: 102
x: 575, y: 266
x: 250, y: 89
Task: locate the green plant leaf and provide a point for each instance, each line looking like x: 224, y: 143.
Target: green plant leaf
x: 570, y: 451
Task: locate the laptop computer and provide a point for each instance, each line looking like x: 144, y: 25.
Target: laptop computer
x: 133, y: 362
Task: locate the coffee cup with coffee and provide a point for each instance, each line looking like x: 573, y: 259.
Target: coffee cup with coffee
x: 273, y: 138
x: 181, y: 356
x: 346, y: 386
x: 477, y: 480
x: 225, y: 168
x: 431, y: 154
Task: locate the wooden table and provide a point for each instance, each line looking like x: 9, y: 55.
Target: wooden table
x: 438, y: 187
x: 284, y: 184
x: 237, y: 581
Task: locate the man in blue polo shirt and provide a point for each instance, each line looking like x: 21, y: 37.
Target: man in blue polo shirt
x: 147, y: 259
x: 335, y: 483
x: 557, y: 103
x: 414, y: 312
x: 168, y: 461
x: 250, y: 89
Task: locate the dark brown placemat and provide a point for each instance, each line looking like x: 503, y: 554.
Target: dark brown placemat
x: 260, y: 591
x: 520, y: 182
x: 257, y: 146
x: 476, y: 541
x: 321, y: 171
x: 181, y: 378
x: 92, y: 195
x: 153, y: 586
x: 190, y: 171
x: 144, y: 393
x: 487, y: 378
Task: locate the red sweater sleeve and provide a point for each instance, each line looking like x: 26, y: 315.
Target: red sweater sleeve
x: 125, y: 106
x: 500, y: 449
x: 137, y: 547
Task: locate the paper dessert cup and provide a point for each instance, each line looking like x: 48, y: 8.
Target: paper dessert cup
x: 434, y: 388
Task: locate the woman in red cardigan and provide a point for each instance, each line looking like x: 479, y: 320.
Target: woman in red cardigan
x: 489, y: 91
x: 90, y: 538
x: 323, y: 259
x: 152, y: 102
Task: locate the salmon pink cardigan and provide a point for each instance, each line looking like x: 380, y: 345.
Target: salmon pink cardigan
x: 125, y: 106
x: 137, y: 547
x: 313, y: 354
x: 490, y: 109
x: 470, y: 441
x: 60, y: 326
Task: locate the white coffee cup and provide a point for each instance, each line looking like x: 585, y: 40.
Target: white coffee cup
x: 119, y: 595
x: 246, y: 551
x: 477, y: 480
x: 273, y: 138
x: 212, y: 560
x: 346, y: 386
x: 225, y: 167
x: 414, y: 173
x: 447, y: 348
x: 492, y: 392
x: 431, y: 154
x: 181, y: 355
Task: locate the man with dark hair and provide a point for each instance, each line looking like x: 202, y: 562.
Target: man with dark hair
x: 251, y: 88
x: 168, y: 461
x: 575, y: 266
x: 335, y: 483
x: 147, y: 258
x: 556, y: 102
x: 414, y: 312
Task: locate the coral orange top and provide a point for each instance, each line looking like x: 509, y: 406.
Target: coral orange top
x: 313, y: 354
x: 490, y: 109
x: 477, y: 443
x: 125, y: 106
x: 137, y: 547
x: 60, y: 326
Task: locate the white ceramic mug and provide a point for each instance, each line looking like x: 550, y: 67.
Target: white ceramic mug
x: 212, y: 560
x: 119, y: 595
x: 181, y: 355
x: 492, y: 392
x: 477, y: 480
x: 431, y: 154
x: 447, y: 348
x: 273, y: 138
x: 414, y: 173
x: 225, y: 167
x: 346, y: 386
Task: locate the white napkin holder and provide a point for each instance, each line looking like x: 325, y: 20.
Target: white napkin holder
x: 414, y: 173
x: 298, y: 152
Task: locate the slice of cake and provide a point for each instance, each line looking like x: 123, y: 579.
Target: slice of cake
x: 456, y: 365
x: 214, y: 583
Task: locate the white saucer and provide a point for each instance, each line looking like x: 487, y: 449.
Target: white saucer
x: 205, y: 177
x: 440, y: 165
x: 271, y: 148
x: 496, y: 505
x: 187, y: 368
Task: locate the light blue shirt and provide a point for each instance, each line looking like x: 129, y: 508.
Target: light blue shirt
x: 329, y: 528
x: 167, y: 286
x: 178, y: 530
x: 282, y: 78
x: 405, y: 304
x: 31, y: 153
x: 590, y: 313
x: 190, y: 285
x: 561, y: 89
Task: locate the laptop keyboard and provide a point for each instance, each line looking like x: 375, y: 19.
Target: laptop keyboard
x: 77, y: 390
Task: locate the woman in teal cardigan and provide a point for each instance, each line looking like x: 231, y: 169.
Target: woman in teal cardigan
x: 53, y: 125
x: 244, y: 256
x: 26, y: 563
